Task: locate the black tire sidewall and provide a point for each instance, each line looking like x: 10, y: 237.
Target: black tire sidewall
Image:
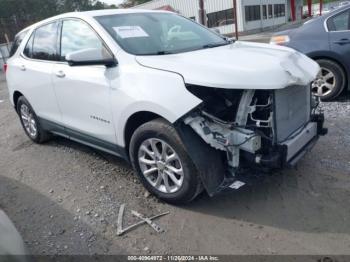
x: 159, y: 129
x: 339, y: 77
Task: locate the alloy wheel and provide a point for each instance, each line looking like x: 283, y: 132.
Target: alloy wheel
x: 324, y: 83
x: 28, y: 120
x: 161, y: 165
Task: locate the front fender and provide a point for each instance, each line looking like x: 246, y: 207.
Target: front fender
x: 142, y: 106
x: 330, y: 55
x: 149, y: 90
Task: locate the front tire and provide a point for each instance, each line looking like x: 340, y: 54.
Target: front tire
x: 30, y: 122
x: 330, y: 81
x: 163, y: 164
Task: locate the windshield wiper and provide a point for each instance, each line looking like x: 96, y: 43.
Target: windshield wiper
x: 216, y: 45
x: 159, y: 53
x: 164, y: 53
x: 229, y: 40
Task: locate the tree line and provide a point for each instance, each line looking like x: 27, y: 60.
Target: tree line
x: 18, y: 14
x: 129, y: 3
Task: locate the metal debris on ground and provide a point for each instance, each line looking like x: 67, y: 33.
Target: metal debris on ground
x: 156, y: 227
x: 144, y: 220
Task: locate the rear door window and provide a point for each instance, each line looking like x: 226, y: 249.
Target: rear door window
x: 28, y: 50
x: 339, y: 22
x: 17, y: 42
x: 45, y: 42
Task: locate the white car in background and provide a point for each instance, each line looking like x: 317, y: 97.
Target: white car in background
x: 11, y: 244
x: 189, y: 114
x: 176, y: 32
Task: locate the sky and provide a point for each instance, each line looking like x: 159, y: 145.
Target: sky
x: 116, y: 2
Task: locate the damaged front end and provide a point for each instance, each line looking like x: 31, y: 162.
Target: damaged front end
x: 250, y: 132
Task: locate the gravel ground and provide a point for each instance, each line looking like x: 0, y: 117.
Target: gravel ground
x: 336, y: 110
x: 64, y: 199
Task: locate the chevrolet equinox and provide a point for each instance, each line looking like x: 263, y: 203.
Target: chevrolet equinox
x: 190, y: 109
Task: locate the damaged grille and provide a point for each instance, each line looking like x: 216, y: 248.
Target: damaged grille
x: 292, y: 110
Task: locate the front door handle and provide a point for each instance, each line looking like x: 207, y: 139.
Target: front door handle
x: 343, y: 41
x: 60, y: 74
x: 23, y: 68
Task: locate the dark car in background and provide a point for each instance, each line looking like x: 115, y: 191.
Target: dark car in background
x: 325, y: 39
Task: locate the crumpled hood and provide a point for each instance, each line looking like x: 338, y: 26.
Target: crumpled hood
x: 241, y: 65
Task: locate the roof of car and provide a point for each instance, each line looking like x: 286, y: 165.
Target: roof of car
x: 337, y: 10
x: 118, y: 11
x: 321, y: 19
x: 94, y: 13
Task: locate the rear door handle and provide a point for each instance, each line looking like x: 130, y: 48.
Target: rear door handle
x: 60, y: 74
x: 23, y: 68
x: 343, y: 41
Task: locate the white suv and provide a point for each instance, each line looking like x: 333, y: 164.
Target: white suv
x: 191, y: 111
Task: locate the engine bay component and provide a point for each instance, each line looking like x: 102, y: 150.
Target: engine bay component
x: 294, y: 110
x: 258, y: 130
x: 222, y: 138
x: 263, y: 104
x: 225, y: 136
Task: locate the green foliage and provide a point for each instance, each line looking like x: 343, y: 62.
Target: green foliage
x: 142, y: 1
x: 17, y: 14
x: 129, y: 3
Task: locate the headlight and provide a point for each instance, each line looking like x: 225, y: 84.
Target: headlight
x: 279, y: 40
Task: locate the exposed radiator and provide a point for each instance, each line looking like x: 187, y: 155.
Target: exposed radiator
x: 292, y: 109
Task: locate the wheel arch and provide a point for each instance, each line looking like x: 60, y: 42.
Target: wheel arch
x: 333, y: 58
x: 135, y: 121
x: 16, y: 95
x: 325, y: 57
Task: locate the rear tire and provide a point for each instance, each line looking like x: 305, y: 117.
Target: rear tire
x: 330, y: 82
x: 151, y: 146
x: 30, y: 122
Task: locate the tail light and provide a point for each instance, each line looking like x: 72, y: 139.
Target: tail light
x: 5, y: 68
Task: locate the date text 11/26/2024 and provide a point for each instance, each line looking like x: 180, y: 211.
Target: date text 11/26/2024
x: 173, y: 258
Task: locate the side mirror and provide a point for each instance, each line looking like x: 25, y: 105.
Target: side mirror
x: 231, y: 39
x: 216, y: 31
x: 91, y: 56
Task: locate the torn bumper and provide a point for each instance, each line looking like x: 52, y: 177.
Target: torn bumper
x: 258, y: 142
x: 284, y: 155
x: 289, y: 152
x: 217, y: 176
